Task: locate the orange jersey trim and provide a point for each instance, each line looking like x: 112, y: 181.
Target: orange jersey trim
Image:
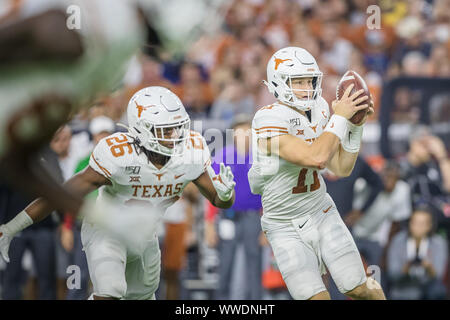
x: 105, y: 171
x: 263, y: 128
x: 277, y: 131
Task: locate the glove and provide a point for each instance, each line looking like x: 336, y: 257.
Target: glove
x: 5, y: 241
x: 223, y: 182
x: 9, y: 230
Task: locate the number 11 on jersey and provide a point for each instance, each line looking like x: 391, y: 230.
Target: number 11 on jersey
x: 302, y: 187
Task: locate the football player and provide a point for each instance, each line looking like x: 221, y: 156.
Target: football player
x: 144, y: 170
x: 295, y: 139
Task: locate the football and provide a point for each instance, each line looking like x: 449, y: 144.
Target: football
x: 348, y: 78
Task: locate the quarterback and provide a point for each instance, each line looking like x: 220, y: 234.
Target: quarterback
x: 143, y: 170
x: 296, y: 138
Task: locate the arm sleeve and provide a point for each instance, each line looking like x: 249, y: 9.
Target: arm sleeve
x: 373, y: 180
x: 267, y: 124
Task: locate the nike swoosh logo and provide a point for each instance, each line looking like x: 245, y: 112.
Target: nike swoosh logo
x: 303, y: 224
x: 176, y: 177
x: 328, y: 209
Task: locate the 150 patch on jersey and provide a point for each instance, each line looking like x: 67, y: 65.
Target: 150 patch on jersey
x: 295, y: 121
x: 132, y: 169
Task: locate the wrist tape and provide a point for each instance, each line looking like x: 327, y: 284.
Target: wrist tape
x: 20, y: 222
x: 337, y: 125
x: 352, y: 141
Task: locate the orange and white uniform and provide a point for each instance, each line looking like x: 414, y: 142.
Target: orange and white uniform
x: 120, y: 266
x: 286, y: 187
x: 136, y: 180
x: 300, y: 219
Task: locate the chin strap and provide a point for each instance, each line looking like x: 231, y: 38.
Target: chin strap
x: 129, y: 130
x: 134, y: 134
x: 136, y: 141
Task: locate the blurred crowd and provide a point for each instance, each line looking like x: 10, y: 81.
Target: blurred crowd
x: 397, y: 209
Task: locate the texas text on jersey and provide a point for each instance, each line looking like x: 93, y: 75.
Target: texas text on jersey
x: 135, y: 180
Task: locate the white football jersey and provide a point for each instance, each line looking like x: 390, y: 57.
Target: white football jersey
x: 287, y: 189
x: 136, y: 181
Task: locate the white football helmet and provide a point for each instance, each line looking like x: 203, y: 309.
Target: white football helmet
x: 158, y: 121
x: 290, y: 63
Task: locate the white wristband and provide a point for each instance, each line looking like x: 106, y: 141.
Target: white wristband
x: 352, y: 141
x: 18, y: 223
x: 337, y: 125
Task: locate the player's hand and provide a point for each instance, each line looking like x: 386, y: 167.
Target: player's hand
x: 347, y: 106
x: 5, y: 241
x: 370, y: 112
x: 224, y: 183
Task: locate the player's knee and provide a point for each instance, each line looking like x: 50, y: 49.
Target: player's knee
x: 352, y: 283
x: 360, y: 292
x: 357, y: 293
x: 323, y: 295
x: 300, y: 293
x: 303, y: 292
x: 114, y: 288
